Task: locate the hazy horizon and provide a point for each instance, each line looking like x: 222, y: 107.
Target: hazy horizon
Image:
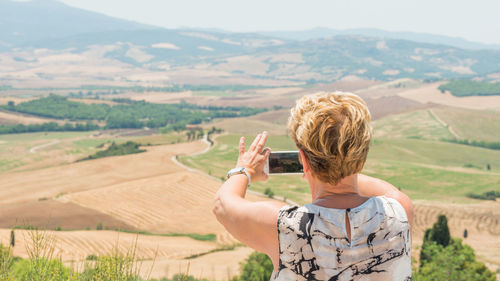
x: 471, y: 21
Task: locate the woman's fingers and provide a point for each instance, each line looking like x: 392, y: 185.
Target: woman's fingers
x: 254, y: 143
x: 262, y: 142
x: 260, y: 146
x: 242, y: 146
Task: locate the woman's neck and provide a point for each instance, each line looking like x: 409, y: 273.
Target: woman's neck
x: 348, y: 186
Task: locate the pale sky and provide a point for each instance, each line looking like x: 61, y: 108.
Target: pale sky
x: 475, y: 20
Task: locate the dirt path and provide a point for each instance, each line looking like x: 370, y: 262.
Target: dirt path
x: 34, y: 149
x: 450, y: 129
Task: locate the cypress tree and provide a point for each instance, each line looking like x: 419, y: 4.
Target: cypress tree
x: 440, y: 232
x: 12, y: 239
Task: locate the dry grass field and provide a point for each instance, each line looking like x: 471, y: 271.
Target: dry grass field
x: 16, y: 100
x: 214, y: 266
x: 31, y: 151
x: 145, y: 191
x: 51, y: 214
x: 158, y: 97
x: 430, y: 93
x: 78, y: 245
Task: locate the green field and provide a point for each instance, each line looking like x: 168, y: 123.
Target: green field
x: 412, y: 159
x: 471, y: 124
x: 223, y: 155
x: 15, y: 148
x: 420, y: 124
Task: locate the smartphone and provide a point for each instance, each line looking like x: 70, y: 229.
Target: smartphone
x: 283, y: 162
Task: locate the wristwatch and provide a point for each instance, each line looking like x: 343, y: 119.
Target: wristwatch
x: 239, y: 170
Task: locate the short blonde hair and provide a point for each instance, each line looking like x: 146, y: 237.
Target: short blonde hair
x: 334, y: 132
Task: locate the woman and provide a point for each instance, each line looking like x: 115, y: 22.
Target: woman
x: 356, y: 228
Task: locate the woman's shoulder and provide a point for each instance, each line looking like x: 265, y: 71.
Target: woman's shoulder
x: 395, y: 208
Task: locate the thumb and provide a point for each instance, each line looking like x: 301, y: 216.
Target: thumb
x: 266, y: 152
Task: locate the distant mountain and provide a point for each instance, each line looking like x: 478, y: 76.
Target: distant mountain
x: 385, y: 59
x: 30, y: 21
x: 154, y: 45
x: 317, y: 55
x: 317, y: 33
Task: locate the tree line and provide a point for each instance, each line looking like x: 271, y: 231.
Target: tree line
x: 463, y: 88
x: 47, y: 127
x: 126, y: 114
x: 483, y: 144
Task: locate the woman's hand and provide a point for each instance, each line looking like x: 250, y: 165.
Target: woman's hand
x: 255, y: 158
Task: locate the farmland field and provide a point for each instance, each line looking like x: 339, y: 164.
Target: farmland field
x: 144, y: 192
x: 43, y: 185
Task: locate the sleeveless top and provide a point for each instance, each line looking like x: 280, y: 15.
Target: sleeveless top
x: 314, y: 245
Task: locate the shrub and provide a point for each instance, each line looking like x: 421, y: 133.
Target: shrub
x: 269, y: 192
x: 114, y: 149
x: 114, y: 267
x: 257, y: 267
x: 488, y: 195
x: 99, y: 226
x: 40, y: 269
x: 5, y: 263
x: 92, y: 257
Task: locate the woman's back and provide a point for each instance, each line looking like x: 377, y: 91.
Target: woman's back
x: 314, y: 244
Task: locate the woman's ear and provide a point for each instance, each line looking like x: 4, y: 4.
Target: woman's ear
x: 305, y: 165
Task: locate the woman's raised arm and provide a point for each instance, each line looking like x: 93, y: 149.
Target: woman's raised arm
x: 253, y: 223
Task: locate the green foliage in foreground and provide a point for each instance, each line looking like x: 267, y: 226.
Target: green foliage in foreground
x: 180, y: 277
x: 445, y: 258
x: 114, y: 149
x: 117, y: 266
x: 257, y: 267
x: 463, y: 88
x: 40, y: 269
x: 455, y: 262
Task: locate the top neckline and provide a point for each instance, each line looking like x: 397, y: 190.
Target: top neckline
x: 362, y: 205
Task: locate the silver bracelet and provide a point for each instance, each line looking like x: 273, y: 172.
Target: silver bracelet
x: 239, y: 170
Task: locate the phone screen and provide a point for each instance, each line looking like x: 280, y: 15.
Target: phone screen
x: 284, y: 162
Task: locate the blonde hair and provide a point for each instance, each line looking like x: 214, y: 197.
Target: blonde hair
x: 334, y: 132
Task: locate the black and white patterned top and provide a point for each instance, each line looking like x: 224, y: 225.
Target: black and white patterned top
x: 313, y: 242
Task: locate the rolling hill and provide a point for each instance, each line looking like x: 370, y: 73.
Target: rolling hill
x: 43, y: 32
x: 22, y: 22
